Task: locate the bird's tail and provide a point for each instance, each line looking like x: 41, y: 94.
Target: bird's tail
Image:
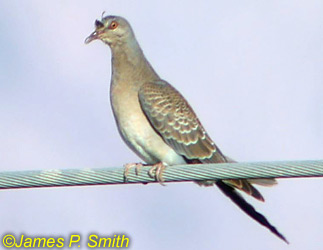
x: 246, y: 185
x: 247, y: 208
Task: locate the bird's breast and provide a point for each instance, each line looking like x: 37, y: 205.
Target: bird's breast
x: 135, y: 128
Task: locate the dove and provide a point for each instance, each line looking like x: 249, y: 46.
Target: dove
x: 157, y: 122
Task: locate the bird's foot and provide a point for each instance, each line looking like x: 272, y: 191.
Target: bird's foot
x: 129, y: 166
x: 157, y: 171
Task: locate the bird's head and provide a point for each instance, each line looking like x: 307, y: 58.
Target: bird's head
x: 111, y: 30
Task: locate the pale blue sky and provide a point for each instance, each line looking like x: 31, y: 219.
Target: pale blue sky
x: 253, y: 72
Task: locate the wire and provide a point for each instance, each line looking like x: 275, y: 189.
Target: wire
x: 191, y: 172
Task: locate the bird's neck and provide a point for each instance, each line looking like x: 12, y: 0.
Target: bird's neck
x: 130, y: 64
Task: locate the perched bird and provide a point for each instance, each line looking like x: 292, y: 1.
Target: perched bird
x: 156, y: 121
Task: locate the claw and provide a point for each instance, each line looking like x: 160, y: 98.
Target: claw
x: 128, y: 166
x: 157, y: 171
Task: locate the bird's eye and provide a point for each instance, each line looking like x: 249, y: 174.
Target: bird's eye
x: 113, y: 25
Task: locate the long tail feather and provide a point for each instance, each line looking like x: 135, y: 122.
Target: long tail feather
x: 247, y: 208
x: 246, y: 187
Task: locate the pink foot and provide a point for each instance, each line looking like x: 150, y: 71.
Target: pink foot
x: 157, y: 171
x: 128, y: 166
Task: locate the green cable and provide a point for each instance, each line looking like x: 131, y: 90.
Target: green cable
x: 105, y: 176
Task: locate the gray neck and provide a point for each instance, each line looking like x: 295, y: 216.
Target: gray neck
x: 130, y: 64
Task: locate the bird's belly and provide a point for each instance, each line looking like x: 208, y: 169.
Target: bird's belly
x: 138, y: 133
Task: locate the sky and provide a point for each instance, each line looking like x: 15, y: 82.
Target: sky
x: 252, y: 71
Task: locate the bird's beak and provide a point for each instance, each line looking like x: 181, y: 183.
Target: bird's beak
x: 95, y: 34
x: 90, y: 38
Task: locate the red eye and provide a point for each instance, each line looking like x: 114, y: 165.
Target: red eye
x: 113, y: 25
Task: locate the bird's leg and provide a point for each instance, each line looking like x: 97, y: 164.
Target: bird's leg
x: 128, y: 166
x: 157, y: 171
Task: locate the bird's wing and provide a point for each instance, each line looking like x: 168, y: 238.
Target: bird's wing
x: 173, y: 119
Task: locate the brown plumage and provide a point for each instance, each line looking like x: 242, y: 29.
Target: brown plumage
x: 156, y: 121
x: 174, y: 119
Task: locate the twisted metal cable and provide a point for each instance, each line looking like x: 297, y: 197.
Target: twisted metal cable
x: 105, y: 176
